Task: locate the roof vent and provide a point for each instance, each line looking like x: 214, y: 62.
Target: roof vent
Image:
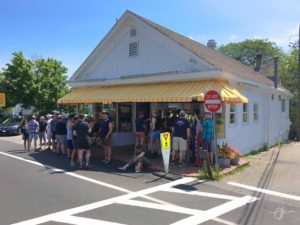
x: 133, y: 32
x: 212, y: 44
x: 133, y: 48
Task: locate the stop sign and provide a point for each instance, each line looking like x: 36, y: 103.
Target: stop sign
x: 212, y: 101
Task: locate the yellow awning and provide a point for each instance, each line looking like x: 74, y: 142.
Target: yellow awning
x: 185, y: 91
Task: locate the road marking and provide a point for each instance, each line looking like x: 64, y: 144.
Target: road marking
x: 265, y: 191
x: 216, y: 211
x: 62, y: 214
x: 198, y: 193
x: 176, y: 209
x: 83, y: 177
x: 197, y: 216
x: 76, y: 220
x: 68, y: 173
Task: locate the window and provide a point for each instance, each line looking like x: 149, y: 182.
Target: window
x: 232, y: 114
x: 245, y: 112
x: 125, y: 117
x: 220, y: 123
x: 255, y: 112
x: 272, y: 97
x: 133, y: 32
x: 133, y: 48
x: 283, y: 105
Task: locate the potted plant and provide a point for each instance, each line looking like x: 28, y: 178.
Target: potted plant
x: 235, y: 156
x: 224, y: 155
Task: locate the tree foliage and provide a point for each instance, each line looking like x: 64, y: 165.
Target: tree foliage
x: 37, y: 83
x: 246, y: 51
x: 288, y: 75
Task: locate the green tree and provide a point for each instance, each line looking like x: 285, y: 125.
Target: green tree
x: 50, y: 77
x: 39, y: 83
x: 18, y: 81
x: 288, y: 75
x: 246, y: 51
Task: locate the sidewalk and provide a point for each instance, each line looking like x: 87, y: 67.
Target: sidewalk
x: 275, y: 169
x: 122, y: 155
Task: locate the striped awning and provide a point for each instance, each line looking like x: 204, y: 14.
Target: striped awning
x: 184, y: 91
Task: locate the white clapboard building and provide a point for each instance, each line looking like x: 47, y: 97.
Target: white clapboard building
x: 140, y: 65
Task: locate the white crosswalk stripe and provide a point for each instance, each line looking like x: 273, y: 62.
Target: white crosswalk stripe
x: 195, y: 216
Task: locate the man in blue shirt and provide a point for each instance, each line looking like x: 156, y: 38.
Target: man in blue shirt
x: 208, y: 135
x: 181, y: 133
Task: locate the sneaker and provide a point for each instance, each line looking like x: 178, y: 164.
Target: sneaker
x: 72, y: 164
x: 137, y: 169
x: 107, y: 161
x: 122, y: 168
x: 173, y: 162
x: 104, y: 160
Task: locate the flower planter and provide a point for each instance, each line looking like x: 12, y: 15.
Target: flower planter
x: 235, y: 161
x: 224, y: 163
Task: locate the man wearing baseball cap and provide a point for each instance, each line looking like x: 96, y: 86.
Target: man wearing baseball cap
x: 181, y: 133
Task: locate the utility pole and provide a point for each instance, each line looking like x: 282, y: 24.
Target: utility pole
x: 295, y: 45
x: 298, y: 105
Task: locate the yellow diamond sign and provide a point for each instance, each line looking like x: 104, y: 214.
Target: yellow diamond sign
x: 165, y: 140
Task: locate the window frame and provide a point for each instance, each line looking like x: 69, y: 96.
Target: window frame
x: 283, y: 105
x: 255, y: 112
x: 232, y: 113
x: 246, y: 113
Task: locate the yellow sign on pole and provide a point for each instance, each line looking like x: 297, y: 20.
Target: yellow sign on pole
x: 165, y: 140
x: 2, y: 99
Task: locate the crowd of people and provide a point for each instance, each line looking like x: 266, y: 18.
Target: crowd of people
x: 74, y: 136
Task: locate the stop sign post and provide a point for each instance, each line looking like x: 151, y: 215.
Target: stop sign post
x: 212, y: 101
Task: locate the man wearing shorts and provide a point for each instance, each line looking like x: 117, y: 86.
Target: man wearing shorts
x: 81, y: 131
x: 106, y: 136
x: 208, y: 136
x: 33, y: 129
x: 52, y: 126
x: 42, y: 131
x: 60, y: 135
x: 49, y: 133
x: 181, y: 133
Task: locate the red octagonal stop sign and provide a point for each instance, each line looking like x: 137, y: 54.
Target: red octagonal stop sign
x: 212, y: 101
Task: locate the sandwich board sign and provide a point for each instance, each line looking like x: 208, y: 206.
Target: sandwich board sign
x: 165, y: 140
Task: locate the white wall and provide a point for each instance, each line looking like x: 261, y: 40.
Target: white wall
x: 157, y: 53
x: 268, y: 129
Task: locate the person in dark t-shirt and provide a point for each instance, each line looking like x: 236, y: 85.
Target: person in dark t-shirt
x: 80, y: 132
x: 181, y: 133
x: 42, y: 131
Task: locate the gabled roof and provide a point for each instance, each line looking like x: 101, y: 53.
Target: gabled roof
x: 223, y: 62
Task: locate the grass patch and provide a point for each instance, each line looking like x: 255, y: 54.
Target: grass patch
x: 216, y: 171
x: 238, y: 170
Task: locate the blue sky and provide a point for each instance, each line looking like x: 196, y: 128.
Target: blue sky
x: 69, y: 30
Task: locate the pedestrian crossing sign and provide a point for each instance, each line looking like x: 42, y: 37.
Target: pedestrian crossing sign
x: 2, y: 99
x: 165, y: 140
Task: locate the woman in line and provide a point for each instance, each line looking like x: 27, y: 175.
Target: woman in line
x: 25, y: 133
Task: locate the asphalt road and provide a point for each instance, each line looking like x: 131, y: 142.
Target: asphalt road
x: 41, y: 188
